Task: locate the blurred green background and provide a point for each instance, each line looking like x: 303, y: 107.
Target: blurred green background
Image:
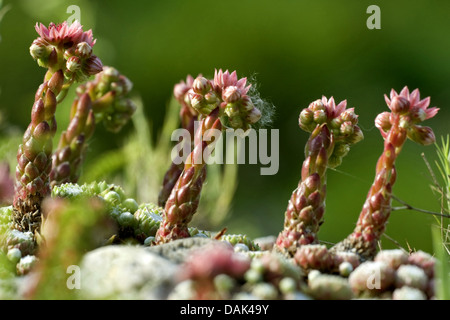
x: 297, y: 51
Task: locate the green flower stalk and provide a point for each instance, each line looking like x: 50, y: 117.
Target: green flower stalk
x: 407, y: 111
x: 109, y: 90
x: 188, y: 116
x: 72, y: 144
x: 333, y: 130
x: 54, y: 49
x: 220, y: 103
x: 109, y: 93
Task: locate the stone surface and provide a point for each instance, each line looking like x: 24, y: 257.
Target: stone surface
x: 178, y: 250
x: 126, y: 272
x: 136, y: 272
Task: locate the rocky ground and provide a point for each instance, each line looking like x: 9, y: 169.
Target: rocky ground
x: 203, y: 268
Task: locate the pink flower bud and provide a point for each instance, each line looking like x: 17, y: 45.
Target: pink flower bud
x: 195, y: 99
x: 356, y: 136
x: 201, y: 85
x: 306, y: 118
x: 421, y: 135
x: 84, y: 50
x: 39, y: 49
x: 254, y: 115
x: 316, y: 105
x: 179, y: 90
x: 347, y: 128
x: 211, y: 98
x: 349, y: 115
x: 231, y: 94
x: 399, y: 104
x: 320, y: 116
x: 93, y: 65
x: 383, y: 122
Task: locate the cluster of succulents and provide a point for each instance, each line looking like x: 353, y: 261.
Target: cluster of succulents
x: 294, y: 265
x: 19, y: 246
x: 137, y: 222
x: 228, y: 272
x: 395, y: 274
x: 133, y: 220
x: 224, y: 271
x: 66, y: 51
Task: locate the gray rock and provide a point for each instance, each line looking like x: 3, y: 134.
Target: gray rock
x: 178, y: 250
x: 126, y: 272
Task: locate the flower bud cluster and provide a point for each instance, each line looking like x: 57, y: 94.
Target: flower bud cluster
x: 224, y: 91
x: 407, y: 111
x: 341, y: 122
x: 68, y: 48
x: 109, y: 93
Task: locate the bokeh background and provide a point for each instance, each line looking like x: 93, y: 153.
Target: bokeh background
x: 296, y: 51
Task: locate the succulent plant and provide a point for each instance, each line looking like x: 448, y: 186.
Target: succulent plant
x: 66, y: 51
x: 134, y: 221
x: 188, y: 116
x: 407, y: 111
x: 314, y: 256
x: 26, y: 264
x: 333, y: 130
x: 394, y: 258
x: 411, y: 276
x: 329, y: 287
x: 205, y: 265
x: 408, y: 293
x: 423, y: 260
x: 53, y: 221
x: 240, y: 238
x: 220, y: 103
x: 373, y: 277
